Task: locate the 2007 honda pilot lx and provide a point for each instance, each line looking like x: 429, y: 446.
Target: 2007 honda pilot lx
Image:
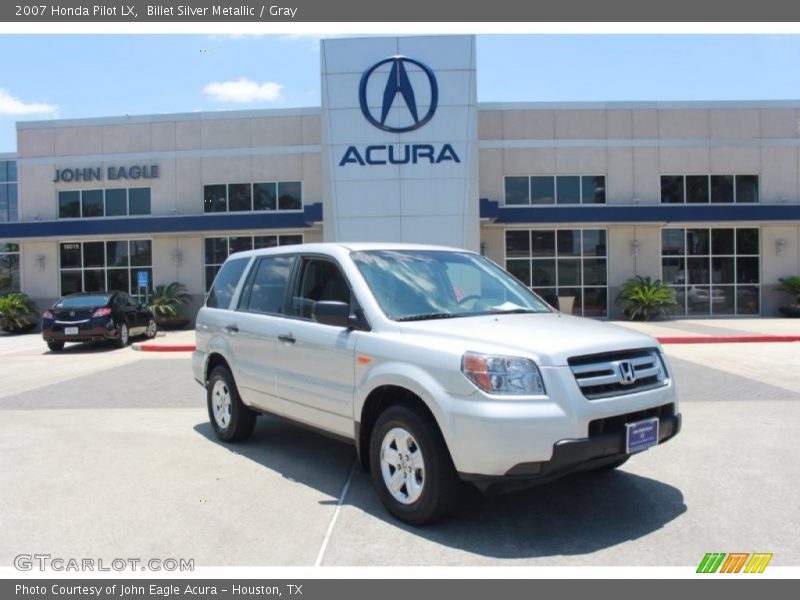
x: 438, y: 365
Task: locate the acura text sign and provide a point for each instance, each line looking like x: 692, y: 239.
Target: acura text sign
x: 398, y: 154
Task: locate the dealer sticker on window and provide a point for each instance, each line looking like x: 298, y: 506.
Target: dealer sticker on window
x: 641, y: 435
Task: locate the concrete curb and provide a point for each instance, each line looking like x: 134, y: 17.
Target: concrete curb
x: 695, y: 339
x: 728, y: 339
x: 164, y: 347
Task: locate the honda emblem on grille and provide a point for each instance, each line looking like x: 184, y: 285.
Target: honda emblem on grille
x: 72, y: 313
x: 625, y: 372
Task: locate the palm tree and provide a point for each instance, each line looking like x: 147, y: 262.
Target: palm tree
x: 641, y: 299
x: 17, y: 313
x: 790, y: 285
x: 168, y: 300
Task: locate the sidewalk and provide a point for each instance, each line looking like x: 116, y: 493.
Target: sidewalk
x: 672, y: 331
x: 718, y: 330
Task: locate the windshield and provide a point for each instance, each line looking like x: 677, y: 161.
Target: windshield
x: 436, y: 284
x: 75, y: 301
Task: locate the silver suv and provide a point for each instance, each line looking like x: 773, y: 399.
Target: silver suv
x: 438, y: 365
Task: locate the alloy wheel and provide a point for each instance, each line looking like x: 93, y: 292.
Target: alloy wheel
x: 402, y: 466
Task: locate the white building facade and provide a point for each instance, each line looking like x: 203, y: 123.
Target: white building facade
x: 572, y: 198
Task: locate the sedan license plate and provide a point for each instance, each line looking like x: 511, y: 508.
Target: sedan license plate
x: 70, y: 330
x: 641, y: 435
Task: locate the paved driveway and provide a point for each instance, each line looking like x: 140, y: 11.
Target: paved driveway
x: 107, y: 453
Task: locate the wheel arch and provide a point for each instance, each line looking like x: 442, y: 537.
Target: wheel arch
x: 381, y: 398
x: 214, y: 360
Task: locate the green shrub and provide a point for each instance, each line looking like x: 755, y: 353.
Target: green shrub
x: 790, y: 285
x: 642, y: 299
x: 17, y: 313
x: 168, y: 300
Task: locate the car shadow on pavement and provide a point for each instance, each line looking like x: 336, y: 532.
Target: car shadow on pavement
x: 578, y: 514
x: 295, y: 453
x: 93, y: 347
x: 84, y: 348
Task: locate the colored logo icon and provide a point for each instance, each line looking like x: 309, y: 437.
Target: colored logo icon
x: 398, y: 92
x: 735, y: 562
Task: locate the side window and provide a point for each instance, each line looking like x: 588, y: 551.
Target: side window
x: 225, y: 283
x: 267, y: 287
x: 319, y: 280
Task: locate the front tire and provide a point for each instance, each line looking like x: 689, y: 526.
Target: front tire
x: 411, y: 467
x: 55, y: 346
x: 231, y: 420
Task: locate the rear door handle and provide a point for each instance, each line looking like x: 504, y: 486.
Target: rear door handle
x: 287, y: 337
x: 232, y: 328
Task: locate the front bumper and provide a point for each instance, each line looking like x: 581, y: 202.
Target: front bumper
x: 542, y: 437
x: 575, y: 455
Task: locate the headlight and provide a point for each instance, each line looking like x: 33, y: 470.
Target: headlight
x: 505, y: 375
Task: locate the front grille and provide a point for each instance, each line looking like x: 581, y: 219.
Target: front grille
x: 618, y: 373
x: 616, y: 425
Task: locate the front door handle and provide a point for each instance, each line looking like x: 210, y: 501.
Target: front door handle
x: 232, y: 328
x: 287, y: 337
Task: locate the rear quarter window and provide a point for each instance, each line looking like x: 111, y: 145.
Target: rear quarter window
x: 225, y: 283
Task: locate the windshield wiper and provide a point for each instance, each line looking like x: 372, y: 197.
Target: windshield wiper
x: 425, y: 317
x: 513, y: 311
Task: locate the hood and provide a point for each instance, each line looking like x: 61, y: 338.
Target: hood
x: 549, y: 338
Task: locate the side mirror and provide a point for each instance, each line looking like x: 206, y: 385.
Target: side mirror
x: 332, y: 313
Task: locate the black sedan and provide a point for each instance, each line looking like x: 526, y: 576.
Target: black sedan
x: 96, y: 316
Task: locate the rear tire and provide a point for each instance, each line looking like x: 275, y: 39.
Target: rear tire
x: 411, y: 467
x: 152, y: 329
x: 231, y: 420
x: 55, y: 346
x: 123, y: 336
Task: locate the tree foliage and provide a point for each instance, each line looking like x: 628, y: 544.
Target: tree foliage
x: 17, y: 312
x: 790, y: 285
x: 168, y: 300
x: 640, y: 298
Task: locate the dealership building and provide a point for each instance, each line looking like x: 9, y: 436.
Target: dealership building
x: 572, y: 198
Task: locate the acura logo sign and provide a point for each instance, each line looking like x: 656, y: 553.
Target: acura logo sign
x: 398, y: 83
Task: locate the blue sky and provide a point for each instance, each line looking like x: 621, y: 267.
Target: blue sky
x: 75, y: 76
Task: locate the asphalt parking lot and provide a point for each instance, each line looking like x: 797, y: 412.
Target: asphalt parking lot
x: 107, y: 453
